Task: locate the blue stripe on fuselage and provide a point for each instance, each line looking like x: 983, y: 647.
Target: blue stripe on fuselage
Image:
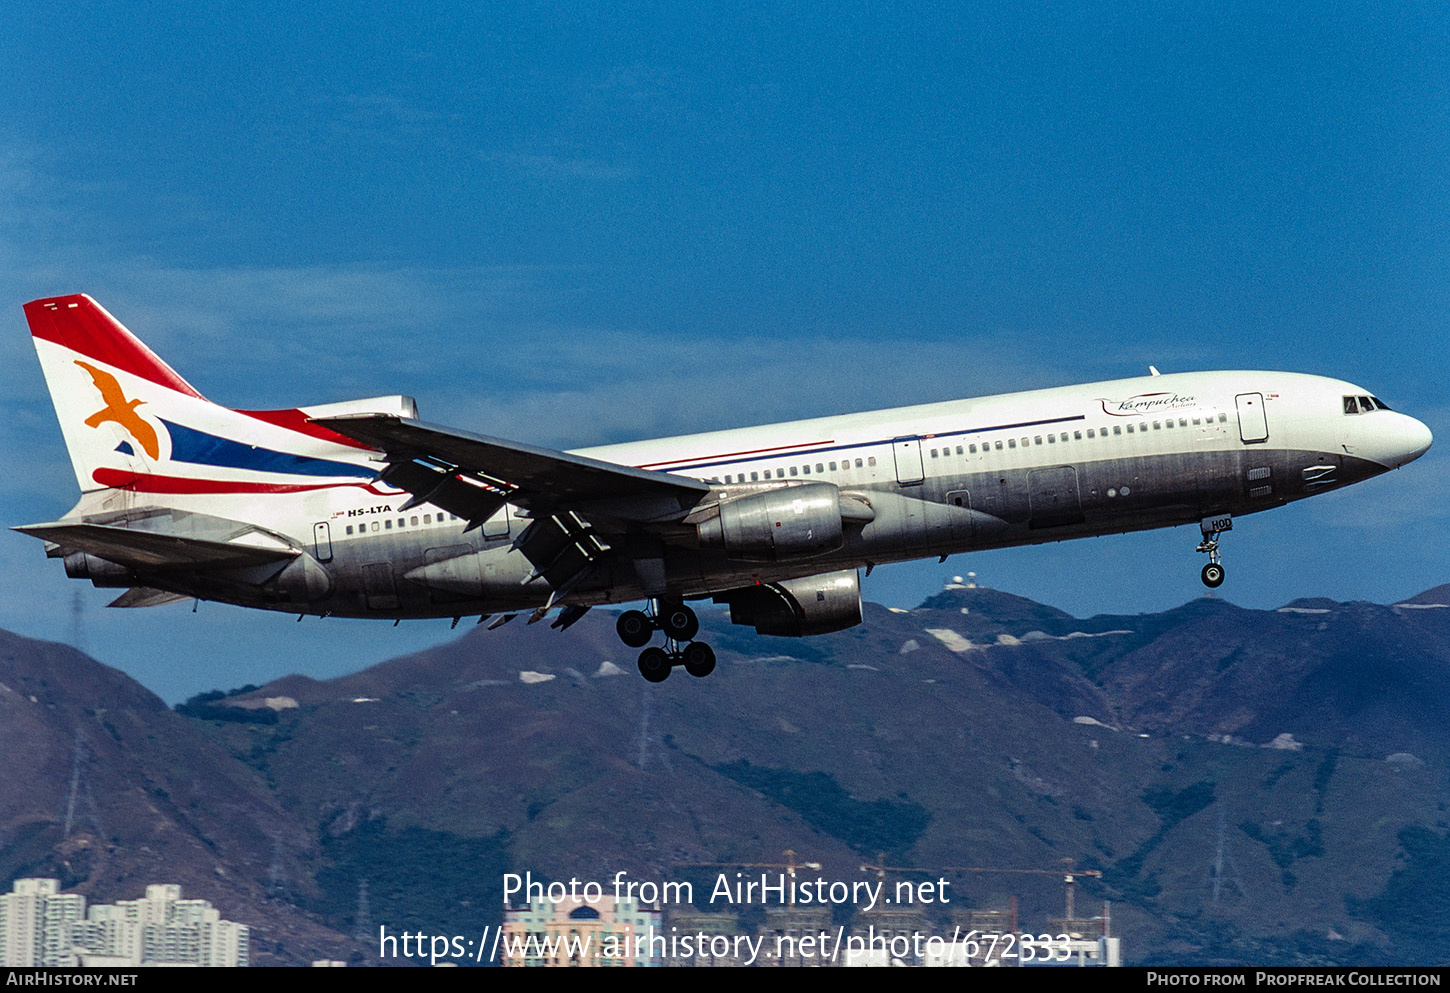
x: 200, y: 448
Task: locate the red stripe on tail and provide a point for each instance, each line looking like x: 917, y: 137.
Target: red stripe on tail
x: 79, y: 323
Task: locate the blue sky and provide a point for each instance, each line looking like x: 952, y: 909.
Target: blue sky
x: 574, y: 226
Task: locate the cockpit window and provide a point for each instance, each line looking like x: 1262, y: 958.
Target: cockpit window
x: 1363, y: 404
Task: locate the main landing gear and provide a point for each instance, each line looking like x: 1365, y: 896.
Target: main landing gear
x: 637, y: 628
x: 1211, y: 527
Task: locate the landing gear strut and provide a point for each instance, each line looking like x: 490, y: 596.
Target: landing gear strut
x: 636, y: 629
x: 1211, y: 527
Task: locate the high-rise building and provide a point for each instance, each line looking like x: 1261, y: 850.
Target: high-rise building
x: 34, y: 919
x: 40, y: 926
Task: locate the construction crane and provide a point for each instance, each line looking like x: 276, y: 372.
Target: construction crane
x: 790, y: 865
x: 1069, y: 875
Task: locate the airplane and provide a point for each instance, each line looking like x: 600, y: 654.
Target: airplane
x: 360, y: 509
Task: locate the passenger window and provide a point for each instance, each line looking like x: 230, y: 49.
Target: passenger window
x: 820, y: 468
x: 933, y: 453
x: 999, y: 446
x: 1011, y: 442
x: 1195, y: 422
x: 833, y: 467
x: 858, y: 463
x: 1037, y: 439
x: 1157, y: 425
x: 755, y: 477
x: 871, y: 460
x: 1051, y: 439
x: 388, y: 524
x: 1077, y: 436
x: 1223, y: 418
x: 972, y: 449
x: 1130, y: 429
x: 792, y: 470
x: 1183, y: 422
x: 349, y: 529
x: 413, y: 520
x: 1117, y: 429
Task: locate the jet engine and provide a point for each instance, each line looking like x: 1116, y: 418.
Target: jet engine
x: 791, y: 522
x: 795, y: 608
x: 103, y: 573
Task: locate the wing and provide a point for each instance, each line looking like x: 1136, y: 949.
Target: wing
x: 477, y: 474
x: 581, y: 507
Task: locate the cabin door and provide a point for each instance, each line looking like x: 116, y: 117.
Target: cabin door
x: 322, y: 541
x: 1053, y: 497
x: 908, y: 461
x: 1253, y: 423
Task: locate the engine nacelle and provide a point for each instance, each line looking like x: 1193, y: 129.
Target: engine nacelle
x: 788, y: 523
x: 103, y: 573
x: 795, y: 608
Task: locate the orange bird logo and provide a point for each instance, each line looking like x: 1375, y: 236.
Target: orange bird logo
x: 121, y: 410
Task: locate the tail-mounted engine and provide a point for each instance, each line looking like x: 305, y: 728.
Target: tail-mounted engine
x: 795, y: 608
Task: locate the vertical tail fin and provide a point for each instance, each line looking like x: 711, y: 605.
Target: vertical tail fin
x: 131, y: 422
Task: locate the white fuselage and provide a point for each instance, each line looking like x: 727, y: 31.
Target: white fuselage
x: 935, y: 479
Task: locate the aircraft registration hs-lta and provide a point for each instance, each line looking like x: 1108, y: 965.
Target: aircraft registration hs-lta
x: 359, y: 509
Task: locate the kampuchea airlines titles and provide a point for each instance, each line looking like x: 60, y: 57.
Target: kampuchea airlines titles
x: 359, y: 509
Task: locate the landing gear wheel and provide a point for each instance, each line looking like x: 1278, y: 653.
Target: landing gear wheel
x: 699, y: 658
x: 678, y: 622
x: 654, y: 664
x: 1212, y: 527
x: 635, y: 629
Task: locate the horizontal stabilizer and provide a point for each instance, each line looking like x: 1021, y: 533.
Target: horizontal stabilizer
x: 145, y: 596
x: 150, y: 550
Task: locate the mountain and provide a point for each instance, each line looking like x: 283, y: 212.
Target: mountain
x: 108, y: 790
x: 1254, y: 786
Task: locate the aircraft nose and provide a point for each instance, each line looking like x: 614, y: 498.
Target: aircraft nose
x: 1387, y: 438
x: 1408, y: 440
x: 1417, y: 441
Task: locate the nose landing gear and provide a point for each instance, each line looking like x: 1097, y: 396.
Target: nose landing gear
x: 636, y: 628
x: 1211, y: 527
